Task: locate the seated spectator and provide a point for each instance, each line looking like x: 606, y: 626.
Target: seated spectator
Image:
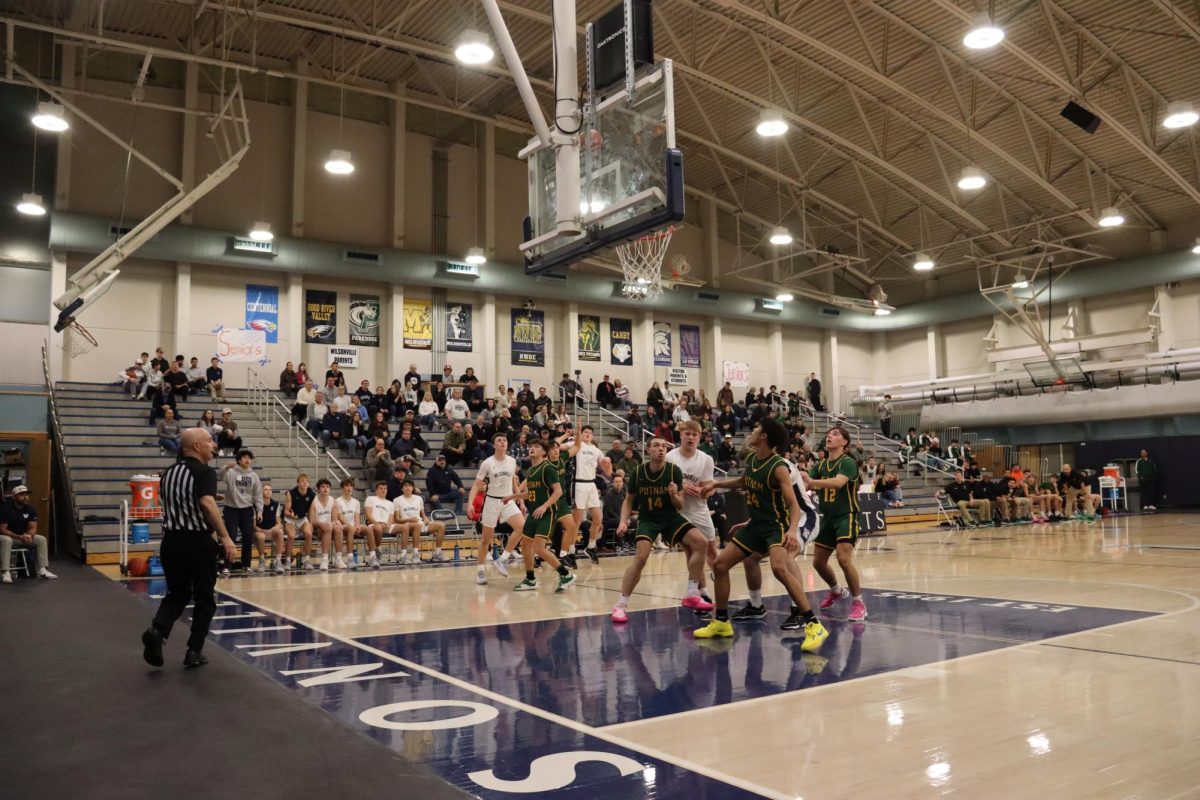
x: 337, y: 431
x: 634, y: 420
x: 606, y: 393
x: 340, y: 401
x: 306, y: 395
x: 887, y: 486
x: 610, y: 516
x: 227, y: 436
x: 727, y: 421
x: 363, y: 393
x: 153, y: 380
x: 161, y: 399
x: 568, y: 389
x: 621, y: 395
x: 18, y: 527
x: 654, y: 399
x: 560, y: 420
x: 706, y: 445
x: 288, y: 384
x: 208, y: 423
x: 196, y: 379
x: 909, y: 446
x: 302, y: 376
x: 972, y: 471
x: 454, y: 447
x: 525, y: 397
x: 617, y: 451
x: 628, y: 461
x: 378, y: 427
x: 169, y: 433
x: 427, y: 411
x: 456, y: 409
x: 665, y: 431
x: 447, y: 375
x: 379, y: 461
x: 412, y: 378
x: 524, y: 419
x: 519, y: 450
x: 315, y: 415
x: 476, y: 449
x: 216, y: 379
x: 503, y: 423
x: 405, y: 445
x: 489, y: 411
x: 335, y: 374
x: 444, y: 485
x: 395, y: 400
x: 357, y: 409
x: 134, y: 376
x: 727, y: 456
x: 680, y: 414
x: 962, y: 494
x: 159, y: 361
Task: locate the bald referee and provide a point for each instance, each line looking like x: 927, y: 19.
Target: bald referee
x: 189, y: 551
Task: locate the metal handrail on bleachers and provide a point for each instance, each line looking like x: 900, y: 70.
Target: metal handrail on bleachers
x: 60, y: 451
x: 271, y: 411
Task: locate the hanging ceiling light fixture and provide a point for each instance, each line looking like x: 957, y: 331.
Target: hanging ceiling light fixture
x: 474, y: 47
x: 1180, y: 114
x: 1021, y: 282
x: 31, y: 204
x: 1196, y: 247
x: 51, y: 117
x: 771, y: 123
x: 475, y: 256
x: 1110, y: 218
x: 923, y: 263
x: 780, y: 236
x: 883, y: 311
x: 339, y: 162
x: 983, y: 34
x: 261, y: 232
x: 972, y: 178
x: 785, y: 297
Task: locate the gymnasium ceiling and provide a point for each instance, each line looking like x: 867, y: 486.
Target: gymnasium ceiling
x: 886, y: 106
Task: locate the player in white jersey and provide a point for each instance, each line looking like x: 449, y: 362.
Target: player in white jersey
x: 498, y: 477
x: 410, y: 513
x: 324, y: 522
x: 588, y: 458
x: 379, y: 513
x: 697, y: 468
x: 349, y: 511
x: 754, y: 608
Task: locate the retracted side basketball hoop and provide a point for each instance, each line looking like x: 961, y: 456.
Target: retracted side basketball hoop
x: 77, y: 340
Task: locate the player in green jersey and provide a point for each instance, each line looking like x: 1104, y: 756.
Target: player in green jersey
x: 542, y: 492
x: 566, y: 527
x: 835, y: 480
x: 655, y: 489
x: 774, y: 517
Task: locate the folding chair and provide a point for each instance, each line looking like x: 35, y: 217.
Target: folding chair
x: 447, y: 516
x: 949, y: 512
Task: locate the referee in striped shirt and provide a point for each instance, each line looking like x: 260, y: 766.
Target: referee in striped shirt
x: 189, y: 551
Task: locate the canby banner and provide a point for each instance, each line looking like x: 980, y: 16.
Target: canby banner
x: 320, y: 317
x: 620, y: 335
x: 364, y: 320
x: 589, y: 338
x: 262, y: 310
x: 418, y: 324
x: 528, y: 338
x: 458, y: 328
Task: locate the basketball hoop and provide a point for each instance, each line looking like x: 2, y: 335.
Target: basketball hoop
x: 641, y: 262
x: 77, y: 340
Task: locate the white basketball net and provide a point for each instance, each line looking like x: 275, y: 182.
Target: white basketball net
x: 77, y: 340
x: 641, y: 262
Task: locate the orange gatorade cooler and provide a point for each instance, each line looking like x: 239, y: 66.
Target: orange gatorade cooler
x: 145, y: 496
x: 1112, y: 471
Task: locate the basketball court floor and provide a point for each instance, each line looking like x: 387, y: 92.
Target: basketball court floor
x: 1060, y: 661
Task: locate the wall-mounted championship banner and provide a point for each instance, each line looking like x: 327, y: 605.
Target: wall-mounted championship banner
x: 689, y: 346
x: 620, y: 335
x: 365, y: 317
x: 418, y: 324
x: 458, y: 328
x: 528, y: 338
x: 662, y: 344
x: 589, y: 338
x: 262, y: 310
x: 320, y: 317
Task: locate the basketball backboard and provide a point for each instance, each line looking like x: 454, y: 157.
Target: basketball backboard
x: 1060, y: 372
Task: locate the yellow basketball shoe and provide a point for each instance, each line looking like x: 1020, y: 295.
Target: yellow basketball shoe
x: 722, y: 628
x: 815, y: 635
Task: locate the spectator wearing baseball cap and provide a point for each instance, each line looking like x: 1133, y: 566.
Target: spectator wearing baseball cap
x: 727, y: 453
x: 18, y: 526
x: 444, y: 485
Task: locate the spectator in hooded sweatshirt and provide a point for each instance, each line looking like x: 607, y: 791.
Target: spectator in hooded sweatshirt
x: 243, y: 503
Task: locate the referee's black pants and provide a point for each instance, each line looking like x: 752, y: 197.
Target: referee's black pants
x: 190, y: 566
x: 241, y: 519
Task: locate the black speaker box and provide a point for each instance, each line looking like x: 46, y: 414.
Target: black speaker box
x: 1081, y: 116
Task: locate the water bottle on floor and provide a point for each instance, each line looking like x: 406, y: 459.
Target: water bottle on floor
x: 456, y: 555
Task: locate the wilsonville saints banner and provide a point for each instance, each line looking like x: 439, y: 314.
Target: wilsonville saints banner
x: 528, y: 338
x: 620, y: 334
x: 320, y: 317
x: 458, y: 328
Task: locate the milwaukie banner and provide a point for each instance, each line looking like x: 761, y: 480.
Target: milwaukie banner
x: 418, y: 324
x: 689, y: 346
x: 662, y: 344
x: 364, y: 319
x: 262, y: 310
x: 458, y: 328
x: 589, y: 338
x: 528, y: 338
x: 320, y: 317
x: 620, y: 335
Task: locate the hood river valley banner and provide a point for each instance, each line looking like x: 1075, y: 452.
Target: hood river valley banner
x: 320, y: 317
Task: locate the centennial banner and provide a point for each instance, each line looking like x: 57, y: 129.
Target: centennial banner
x: 689, y: 346
x: 528, y: 338
x: 459, y: 337
x: 620, y: 335
x: 262, y: 310
x: 418, y: 324
x: 320, y: 317
x: 364, y: 319
x: 662, y: 344
x: 589, y: 338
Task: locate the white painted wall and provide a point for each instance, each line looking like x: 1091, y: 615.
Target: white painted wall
x: 906, y: 357
x: 1185, y: 301
x: 963, y: 349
